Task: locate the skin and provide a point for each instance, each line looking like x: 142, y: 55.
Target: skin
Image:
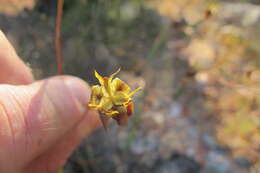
x: 41, y: 122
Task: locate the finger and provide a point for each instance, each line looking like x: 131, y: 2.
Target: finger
x: 35, y: 117
x: 13, y: 70
x: 56, y: 156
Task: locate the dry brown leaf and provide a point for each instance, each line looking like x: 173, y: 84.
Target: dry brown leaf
x: 14, y: 7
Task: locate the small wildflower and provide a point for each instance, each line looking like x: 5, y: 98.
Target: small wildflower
x: 112, y: 99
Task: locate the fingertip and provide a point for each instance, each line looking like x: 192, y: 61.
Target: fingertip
x: 79, y: 88
x: 67, y: 95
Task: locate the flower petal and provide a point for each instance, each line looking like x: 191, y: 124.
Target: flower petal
x: 99, y: 77
x: 106, y: 103
x: 113, y: 75
x: 104, y: 91
x: 120, y: 98
x: 111, y: 113
x: 93, y: 106
x: 119, y: 85
x: 130, y: 108
x: 133, y: 92
x: 96, y: 94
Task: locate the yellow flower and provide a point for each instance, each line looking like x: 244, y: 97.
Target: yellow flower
x: 112, y: 99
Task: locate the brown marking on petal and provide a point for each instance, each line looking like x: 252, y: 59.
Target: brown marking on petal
x: 120, y: 87
x: 99, y: 96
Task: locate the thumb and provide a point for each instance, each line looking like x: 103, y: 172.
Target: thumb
x: 36, y: 116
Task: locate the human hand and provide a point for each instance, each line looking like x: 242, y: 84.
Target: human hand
x: 41, y: 122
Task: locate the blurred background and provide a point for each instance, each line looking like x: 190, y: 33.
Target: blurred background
x: 197, y: 60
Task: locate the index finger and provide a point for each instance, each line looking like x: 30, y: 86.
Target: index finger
x: 12, y: 69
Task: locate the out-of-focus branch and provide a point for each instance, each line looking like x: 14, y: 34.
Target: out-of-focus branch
x: 58, y: 36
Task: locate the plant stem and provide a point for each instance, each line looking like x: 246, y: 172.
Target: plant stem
x: 58, y: 36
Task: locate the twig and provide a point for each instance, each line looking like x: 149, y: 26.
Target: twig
x: 58, y: 36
